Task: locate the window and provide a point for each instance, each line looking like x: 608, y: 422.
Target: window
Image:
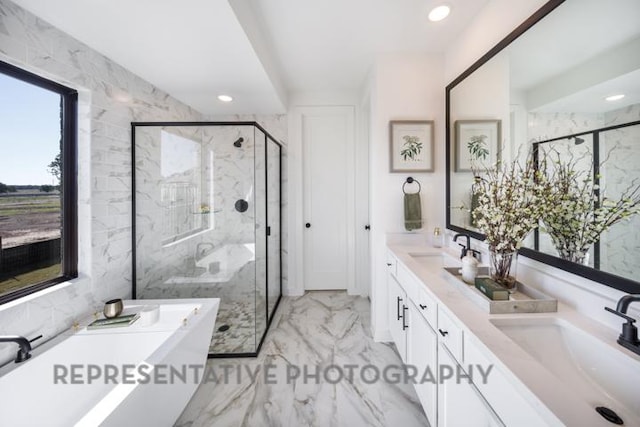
x: 182, y: 193
x: 38, y: 183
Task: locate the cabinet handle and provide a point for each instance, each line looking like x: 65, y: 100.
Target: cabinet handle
x: 389, y: 264
x: 423, y: 307
x: 308, y: 225
x: 443, y: 333
x: 398, y: 307
x: 404, y: 309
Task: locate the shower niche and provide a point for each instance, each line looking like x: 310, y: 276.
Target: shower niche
x: 207, y: 223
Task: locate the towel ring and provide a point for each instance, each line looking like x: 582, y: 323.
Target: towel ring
x: 410, y: 180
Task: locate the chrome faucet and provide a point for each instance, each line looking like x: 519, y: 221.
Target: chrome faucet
x: 25, y: 346
x: 629, y: 336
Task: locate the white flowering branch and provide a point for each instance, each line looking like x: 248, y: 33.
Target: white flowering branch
x: 510, y: 200
x: 578, y: 211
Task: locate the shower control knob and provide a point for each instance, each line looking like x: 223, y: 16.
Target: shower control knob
x: 308, y: 225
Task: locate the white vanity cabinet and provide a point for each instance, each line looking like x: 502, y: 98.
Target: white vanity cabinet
x: 460, y: 404
x: 422, y: 353
x: 432, y: 339
x: 397, y: 314
x: 412, y: 315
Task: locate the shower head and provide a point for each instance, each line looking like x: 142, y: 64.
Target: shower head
x: 238, y: 142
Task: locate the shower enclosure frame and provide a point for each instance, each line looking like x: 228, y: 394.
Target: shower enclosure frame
x: 268, y: 137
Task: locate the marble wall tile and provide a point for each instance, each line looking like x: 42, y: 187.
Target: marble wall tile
x: 110, y: 97
x: 621, y: 243
x: 277, y: 126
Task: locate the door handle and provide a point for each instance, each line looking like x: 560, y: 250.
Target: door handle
x: 367, y: 227
x: 404, y: 309
x: 443, y: 333
x: 308, y: 225
x: 423, y: 307
x: 398, y: 307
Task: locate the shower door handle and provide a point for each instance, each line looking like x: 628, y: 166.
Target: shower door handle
x: 308, y: 225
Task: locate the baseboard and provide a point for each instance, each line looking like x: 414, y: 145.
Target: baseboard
x: 382, y: 335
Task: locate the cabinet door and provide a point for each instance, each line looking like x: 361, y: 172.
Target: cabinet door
x: 422, y: 351
x: 396, y: 315
x: 460, y: 404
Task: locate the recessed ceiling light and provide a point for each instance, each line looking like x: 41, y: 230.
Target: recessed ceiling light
x: 225, y: 98
x: 439, y: 13
x: 614, y: 97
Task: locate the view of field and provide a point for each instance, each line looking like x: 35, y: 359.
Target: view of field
x: 28, y: 217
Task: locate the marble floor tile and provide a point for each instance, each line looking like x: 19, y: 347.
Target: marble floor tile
x: 313, y: 334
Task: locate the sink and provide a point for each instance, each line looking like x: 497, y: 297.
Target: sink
x: 597, y: 371
x: 432, y: 260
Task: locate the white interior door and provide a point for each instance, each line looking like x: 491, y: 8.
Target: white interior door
x: 328, y: 175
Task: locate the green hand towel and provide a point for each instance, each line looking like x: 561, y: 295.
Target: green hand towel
x: 412, y: 212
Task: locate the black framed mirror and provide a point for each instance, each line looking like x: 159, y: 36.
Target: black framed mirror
x: 547, y: 81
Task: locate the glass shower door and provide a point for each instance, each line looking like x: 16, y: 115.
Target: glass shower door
x: 274, y: 218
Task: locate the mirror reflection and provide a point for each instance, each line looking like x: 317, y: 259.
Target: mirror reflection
x: 569, y: 86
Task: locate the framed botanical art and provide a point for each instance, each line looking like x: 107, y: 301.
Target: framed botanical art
x: 411, y: 145
x: 477, y: 142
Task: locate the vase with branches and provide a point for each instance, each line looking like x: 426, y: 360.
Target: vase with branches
x: 578, y: 210
x: 510, y: 205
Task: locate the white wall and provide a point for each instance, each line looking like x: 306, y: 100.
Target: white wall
x: 401, y: 87
x: 110, y: 98
x: 497, y: 19
x: 490, y: 26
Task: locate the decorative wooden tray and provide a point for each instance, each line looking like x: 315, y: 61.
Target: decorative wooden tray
x: 524, y: 300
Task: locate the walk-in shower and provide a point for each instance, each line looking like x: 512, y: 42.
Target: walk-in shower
x: 207, y: 223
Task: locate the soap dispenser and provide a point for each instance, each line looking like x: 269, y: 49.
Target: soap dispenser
x: 438, y: 239
x: 469, y: 268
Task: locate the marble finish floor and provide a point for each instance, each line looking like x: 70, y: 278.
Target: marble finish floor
x: 312, y: 332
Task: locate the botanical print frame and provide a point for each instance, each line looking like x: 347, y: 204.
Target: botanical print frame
x: 477, y: 140
x: 411, y: 146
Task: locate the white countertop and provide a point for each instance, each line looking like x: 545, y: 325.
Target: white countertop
x: 554, y: 400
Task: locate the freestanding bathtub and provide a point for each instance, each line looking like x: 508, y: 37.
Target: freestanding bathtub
x: 133, y: 376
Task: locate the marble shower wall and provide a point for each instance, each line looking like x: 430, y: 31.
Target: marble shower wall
x: 277, y: 126
x: 110, y: 98
x: 621, y: 244
x: 221, y: 175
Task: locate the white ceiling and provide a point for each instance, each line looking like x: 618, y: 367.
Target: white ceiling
x: 592, y: 99
x: 192, y: 49
x: 197, y: 49
x: 332, y: 44
x: 583, y: 48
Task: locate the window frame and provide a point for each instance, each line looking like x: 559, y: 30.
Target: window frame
x: 69, y: 179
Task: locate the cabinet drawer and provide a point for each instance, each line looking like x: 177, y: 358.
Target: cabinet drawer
x: 392, y: 263
x: 407, y: 280
x: 511, y: 406
x: 427, y: 306
x: 450, y: 335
